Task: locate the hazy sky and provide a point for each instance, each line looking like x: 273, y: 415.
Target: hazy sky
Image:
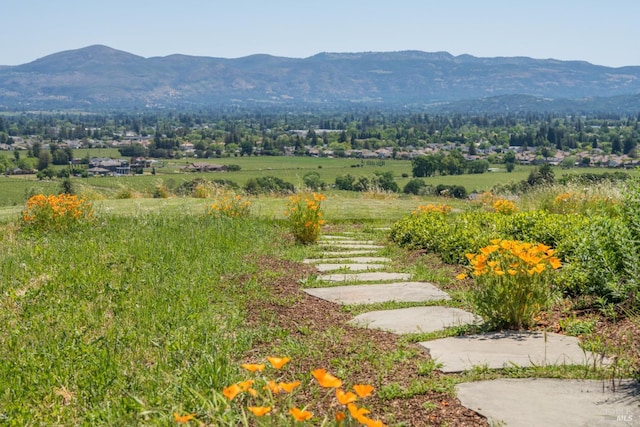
x: 600, y: 32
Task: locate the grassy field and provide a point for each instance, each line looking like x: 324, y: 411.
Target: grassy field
x: 15, y: 189
x: 149, y: 310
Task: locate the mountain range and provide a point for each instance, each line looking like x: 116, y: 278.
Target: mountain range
x: 99, y: 77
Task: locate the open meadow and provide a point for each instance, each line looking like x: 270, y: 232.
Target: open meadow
x: 142, y: 310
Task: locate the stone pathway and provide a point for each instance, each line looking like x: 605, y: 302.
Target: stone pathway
x: 516, y: 402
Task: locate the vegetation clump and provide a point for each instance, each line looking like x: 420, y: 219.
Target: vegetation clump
x: 57, y: 213
x: 305, y: 217
x: 511, y: 282
x: 271, y: 400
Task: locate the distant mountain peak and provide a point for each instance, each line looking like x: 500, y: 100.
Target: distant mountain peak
x: 99, y: 76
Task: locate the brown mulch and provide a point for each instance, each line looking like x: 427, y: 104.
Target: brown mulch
x: 310, y: 319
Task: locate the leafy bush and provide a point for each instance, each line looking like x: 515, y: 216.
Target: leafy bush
x: 599, y: 253
x: 230, y: 205
x: 312, y: 181
x: 57, y: 213
x: 305, y: 217
x: 268, y: 184
x: 457, y: 191
x: 512, y: 282
x: 414, y: 186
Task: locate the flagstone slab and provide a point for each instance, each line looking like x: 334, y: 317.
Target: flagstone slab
x: 351, y: 241
x: 497, y: 350
x: 347, y: 266
x: 415, y: 319
x: 334, y: 237
x: 341, y: 254
x: 353, y: 246
x: 373, y: 293
x: 357, y: 260
x: 553, y: 402
x: 364, y: 277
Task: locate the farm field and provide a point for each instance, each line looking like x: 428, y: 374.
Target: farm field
x: 15, y: 189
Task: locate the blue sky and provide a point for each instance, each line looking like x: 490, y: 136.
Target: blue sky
x: 600, y: 32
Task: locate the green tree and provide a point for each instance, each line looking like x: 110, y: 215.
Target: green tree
x: 414, y: 186
x: 44, y: 160
x: 423, y: 166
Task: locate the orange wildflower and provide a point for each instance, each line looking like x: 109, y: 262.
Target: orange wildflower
x: 288, y: 387
x: 182, y: 419
x: 300, y: 414
x: 232, y: 391
x: 278, y: 362
x: 259, y: 411
x: 345, y: 397
x: 253, y: 367
x: 325, y: 379
x: 363, y: 390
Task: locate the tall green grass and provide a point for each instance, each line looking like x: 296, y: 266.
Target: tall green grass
x: 119, y: 324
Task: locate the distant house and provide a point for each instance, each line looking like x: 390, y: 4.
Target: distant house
x: 203, y: 167
x: 114, y: 166
x: 95, y: 171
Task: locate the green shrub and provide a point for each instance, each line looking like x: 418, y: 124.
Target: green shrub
x: 268, y: 184
x: 512, y: 282
x: 305, y: 217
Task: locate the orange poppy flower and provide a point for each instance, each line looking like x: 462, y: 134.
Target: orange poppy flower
x: 300, y: 414
x: 259, y: 411
x: 357, y: 412
x: 325, y: 379
x: 182, y: 419
x: 245, y: 385
x: 253, y: 367
x: 363, y: 390
x: 232, y: 391
x: 278, y: 362
x: 345, y: 397
x: 288, y: 387
x: 271, y: 385
x: 340, y: 416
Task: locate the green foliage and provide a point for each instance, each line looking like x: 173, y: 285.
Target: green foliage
x: 305, y: 217
x: 268, y: 184
x: 512, y: 282
x: 415, y: 186
x: 152, y: 303
x: 313, y: 182
x: 55, y: 213
x: 599, y: 252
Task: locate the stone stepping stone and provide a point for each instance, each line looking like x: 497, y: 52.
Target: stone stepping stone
x: 364, y: 277
x: 497, y: 350
x: 355, y: 246
x: 334, y: 237
x: 357, y: 260
x: 345, y: 242
x: 347, y: 266
x: 342, y: 254
x: 553, y: 402
x: 415, y: 320
x: 369, y: 294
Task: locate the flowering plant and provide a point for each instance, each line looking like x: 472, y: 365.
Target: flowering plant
x: 511, y: 281
x: 230, y: 206
x: 264, y: 400
x: 439, y: 208
x: 53, y: 212
x: 305, y: 217
x: 504, y: 206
